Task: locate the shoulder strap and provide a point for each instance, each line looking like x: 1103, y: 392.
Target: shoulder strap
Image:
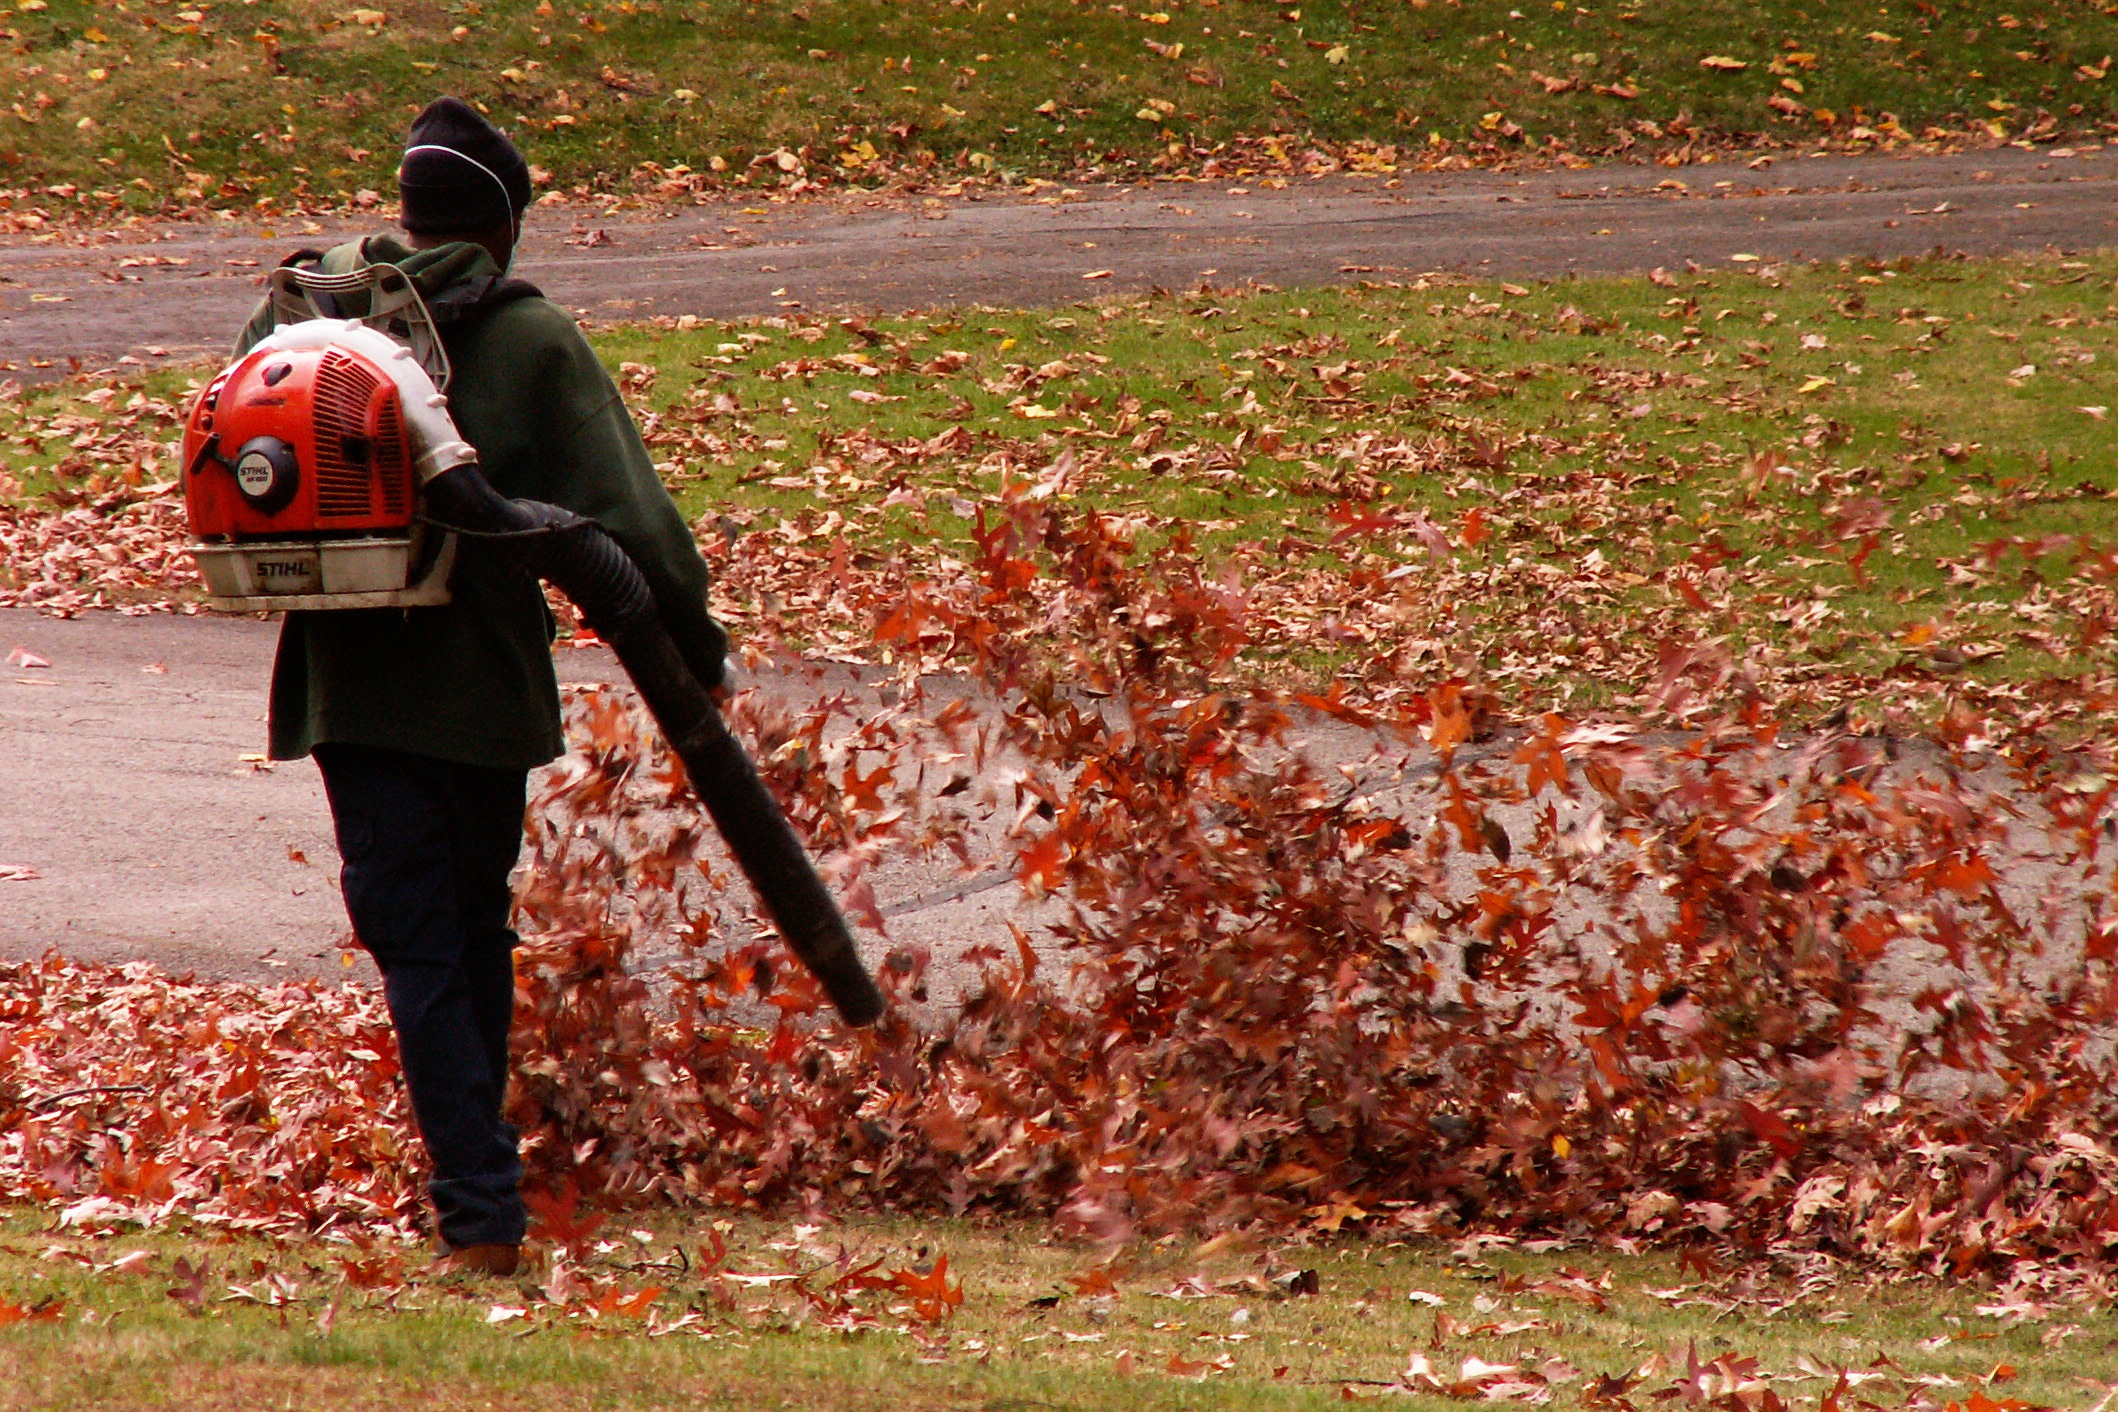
x: 311, y: 258
x: 393, y: 305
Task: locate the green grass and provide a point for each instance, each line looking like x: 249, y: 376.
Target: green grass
x: 1806, y: 459
x: 160, y: 103
x: 1027, y: 1335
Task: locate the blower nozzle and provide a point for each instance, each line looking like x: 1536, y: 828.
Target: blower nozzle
x: 593, y: 571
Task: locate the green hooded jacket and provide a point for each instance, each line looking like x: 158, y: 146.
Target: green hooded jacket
x: 473, y: 681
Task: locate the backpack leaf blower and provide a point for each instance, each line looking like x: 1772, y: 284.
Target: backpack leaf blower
x: 322, y: 471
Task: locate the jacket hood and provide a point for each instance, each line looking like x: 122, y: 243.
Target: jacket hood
x: 432, y: 271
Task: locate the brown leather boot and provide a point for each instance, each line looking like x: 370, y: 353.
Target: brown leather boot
x: 497, y: 1260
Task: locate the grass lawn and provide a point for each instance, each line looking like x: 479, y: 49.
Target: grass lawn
x: 1533, y: 484
x: 1040, y: 1325
x: 171, y: 104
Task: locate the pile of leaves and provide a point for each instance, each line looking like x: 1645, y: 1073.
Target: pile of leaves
x: 128, y: 1096
x: 1710, y: 986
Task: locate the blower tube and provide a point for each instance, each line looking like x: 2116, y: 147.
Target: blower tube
x: 590, y: 568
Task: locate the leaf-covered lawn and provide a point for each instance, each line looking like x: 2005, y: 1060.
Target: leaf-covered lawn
x: 713, y: 1313
x: 163, y: 103
x: 1823, y: 462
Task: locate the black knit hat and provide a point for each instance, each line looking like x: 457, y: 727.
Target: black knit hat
x: 460, y: 173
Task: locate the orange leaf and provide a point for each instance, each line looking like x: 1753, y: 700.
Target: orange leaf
x: 1093, y: 1283
x: 636, y: 1304
x: 1042, y: 865
x: 1966, y: 877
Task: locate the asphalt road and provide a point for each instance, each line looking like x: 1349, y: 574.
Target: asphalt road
x: 187, y: 287
x: 139, y: 821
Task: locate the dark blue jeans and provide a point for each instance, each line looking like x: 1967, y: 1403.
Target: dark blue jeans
x: 427, y: 846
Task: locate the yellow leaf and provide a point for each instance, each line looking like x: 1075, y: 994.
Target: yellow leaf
x: 1722, y: 63
x: 94, y: 35
x: 1818, y: 384
x: 1560, y: 1146
x: 364, y: 17
x: 1047, y: 107
x: 1148, y: 115
x: 1337, y: 54
x: 1879, y: 37
x: 1157, y: 18
x: 29, y: 4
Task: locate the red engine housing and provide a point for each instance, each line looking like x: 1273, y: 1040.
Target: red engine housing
x: 297, y: 442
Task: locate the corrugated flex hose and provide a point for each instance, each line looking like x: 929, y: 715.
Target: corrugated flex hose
x: 590, y: 568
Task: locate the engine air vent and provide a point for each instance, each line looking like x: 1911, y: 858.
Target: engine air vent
x: 390, y: 467
x: 343, y: 387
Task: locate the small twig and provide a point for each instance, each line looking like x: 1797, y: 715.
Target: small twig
x: 62, y: 1096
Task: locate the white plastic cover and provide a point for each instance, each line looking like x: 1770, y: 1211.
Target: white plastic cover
x: 436, y: 444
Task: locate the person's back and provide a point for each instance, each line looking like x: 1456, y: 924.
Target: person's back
x: 473, y: 681
x: 425, y: 721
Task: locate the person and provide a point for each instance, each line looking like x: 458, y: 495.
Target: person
x: 425, y: 722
